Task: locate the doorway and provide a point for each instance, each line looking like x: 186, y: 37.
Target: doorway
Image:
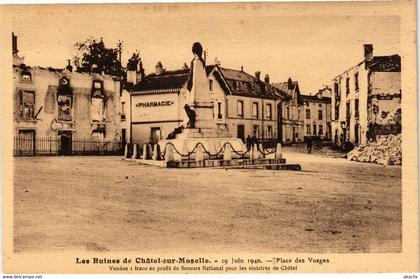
x: 241, y: 132
x: 123, y: 137
x: 293, y: 134
x: 26, y: 143
x: 356, y: 134
x: 65, y: 143
x: 155, y: 135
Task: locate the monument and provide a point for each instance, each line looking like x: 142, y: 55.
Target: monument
x: 199, y: 142
x: 199, y: 122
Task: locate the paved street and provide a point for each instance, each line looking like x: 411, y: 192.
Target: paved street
x: 107, y: 204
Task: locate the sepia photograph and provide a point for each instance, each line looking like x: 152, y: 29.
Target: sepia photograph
x: 210, y: 137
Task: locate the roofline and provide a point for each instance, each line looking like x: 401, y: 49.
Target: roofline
x: 155, y: 91
x: 224, y: 79
x: 360, y: 63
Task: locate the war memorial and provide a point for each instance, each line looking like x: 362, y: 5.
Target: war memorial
x: 199, y: 142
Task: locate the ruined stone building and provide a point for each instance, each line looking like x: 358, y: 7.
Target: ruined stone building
x: 317, y: 114
x: 290, y: 118
x: 242, y: 103
x: 366, y: 99
x: 57, y: 111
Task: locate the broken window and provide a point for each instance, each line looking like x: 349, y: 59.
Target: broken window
x: 27, y: 104
x: 64, y: 100
x: 98, y: 101
x: 26, y: 77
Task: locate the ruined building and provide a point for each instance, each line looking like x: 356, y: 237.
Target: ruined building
x: 58, y: 111
x: 366, y: 99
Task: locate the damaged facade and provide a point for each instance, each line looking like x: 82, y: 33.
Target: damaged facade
x: 366, y: 99
x: 64, y: 109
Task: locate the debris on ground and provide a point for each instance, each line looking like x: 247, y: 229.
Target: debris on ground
x: 386, y: 150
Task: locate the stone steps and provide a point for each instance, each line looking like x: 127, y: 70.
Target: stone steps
x: 263, y: 163
x: 223, y: 163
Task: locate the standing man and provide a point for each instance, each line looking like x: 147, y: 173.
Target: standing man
x: 309, y: 144
x: 248, y: 142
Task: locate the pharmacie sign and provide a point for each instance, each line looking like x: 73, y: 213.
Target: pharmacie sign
x: 155, y: 104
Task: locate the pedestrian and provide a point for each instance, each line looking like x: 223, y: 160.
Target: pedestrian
x: 248, y: 142
x: 254, y: 140
x: 309, y: 144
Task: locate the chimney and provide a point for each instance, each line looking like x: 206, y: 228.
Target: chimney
x: 267, y: 78
x: 368, y: 48
x: 14, y: 44
x: 69, y: 67
x: 257, y: 75
x: 289, y: 83
x: 242, y: 68
x: 159, y: 68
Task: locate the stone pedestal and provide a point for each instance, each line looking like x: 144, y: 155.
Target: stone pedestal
x: 212, y: 140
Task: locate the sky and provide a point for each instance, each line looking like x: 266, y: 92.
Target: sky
x: 309, y: 43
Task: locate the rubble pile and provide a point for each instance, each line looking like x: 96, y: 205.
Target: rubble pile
x: 386, y: 150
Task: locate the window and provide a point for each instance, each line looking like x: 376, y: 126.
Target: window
x: 219, y: 110
x: 308, y: 114
x: 337, y: 112
x: 314, y: 131
x: 27, y: 104
x: 26, y: 77
x: 347, y: 86
x: 336, y: 89
x: 356, y: 81
x: 308, y: 129
x: 269, y: 132
x: 211, y: 85
x: 287, y: 112
x: 255, y: 131
x: 241, y: 108
x: 64, y: 107
x: 320, y: 114
x: 98, y: 101
x: 64, y: 100
x: 123, y: 111
x: 321, y: 130
x: 255, y: 110
x: 298, y: 112
x: 347, y: 110
x: 269, y: 111
x: 356, y: 108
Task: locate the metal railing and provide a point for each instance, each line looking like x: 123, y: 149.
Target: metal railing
x: 44, y: 146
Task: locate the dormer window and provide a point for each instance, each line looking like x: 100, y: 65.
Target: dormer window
x: 26, y: 77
